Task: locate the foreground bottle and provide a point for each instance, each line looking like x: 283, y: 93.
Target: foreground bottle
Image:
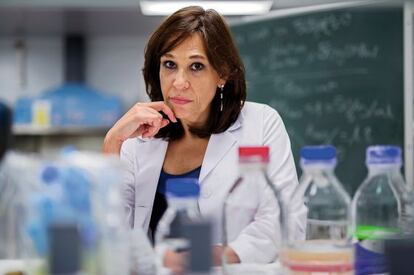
x: 77, y: 212
x: 327, y: 248
x: 251, y: 191
x: 381, y: 208
x: 182, y: 197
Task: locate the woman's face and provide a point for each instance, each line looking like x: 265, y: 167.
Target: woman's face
x: 188, y: 81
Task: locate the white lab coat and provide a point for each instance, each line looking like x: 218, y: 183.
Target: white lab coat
x: 253, y: 228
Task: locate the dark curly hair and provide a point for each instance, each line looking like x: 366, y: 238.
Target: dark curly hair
x: 222, y: 55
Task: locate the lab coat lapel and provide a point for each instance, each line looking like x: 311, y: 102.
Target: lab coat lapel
x: 218, y: 146
x: 152, y: 154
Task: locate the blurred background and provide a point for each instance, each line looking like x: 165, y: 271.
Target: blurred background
x: 339, y: 72
x: 114, y: 33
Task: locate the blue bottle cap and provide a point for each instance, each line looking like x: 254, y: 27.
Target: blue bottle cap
x: 50, y: 174
x: 383, y: 154
x: 320, y: 154
x: 182, y: 187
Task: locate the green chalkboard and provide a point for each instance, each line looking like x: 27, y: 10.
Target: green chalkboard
x: 335, y: 77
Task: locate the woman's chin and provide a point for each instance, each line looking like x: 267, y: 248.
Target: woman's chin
x: 181, y: 114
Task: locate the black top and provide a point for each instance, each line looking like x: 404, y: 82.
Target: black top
x: 160, y: 201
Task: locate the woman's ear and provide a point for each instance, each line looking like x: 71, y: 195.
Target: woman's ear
x: 222, y: 81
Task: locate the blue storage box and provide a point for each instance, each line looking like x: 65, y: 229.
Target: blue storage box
x: 72, y: 104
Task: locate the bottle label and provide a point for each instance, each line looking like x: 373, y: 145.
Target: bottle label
x: 369, y: 251
x: 370, y: 258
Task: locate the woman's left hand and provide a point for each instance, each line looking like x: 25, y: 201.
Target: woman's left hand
x: 176, y: 261
x: 231, y: 256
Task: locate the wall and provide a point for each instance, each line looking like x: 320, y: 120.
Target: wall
x: 113, y: 65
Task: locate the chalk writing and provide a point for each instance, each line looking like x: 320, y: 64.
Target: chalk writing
x: 340, y: 54
x: 284, y: 108
x: 337, y: 135
x: 351, y: 109
x: 326, y: 25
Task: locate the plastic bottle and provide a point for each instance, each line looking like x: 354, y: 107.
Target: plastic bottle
x: 82, y: 188
x: 182, y: 197
x: 327, y: 248
x: 100, y: 213
x: 251, y: 188
x: 17, y: 182
x: 382, y: 208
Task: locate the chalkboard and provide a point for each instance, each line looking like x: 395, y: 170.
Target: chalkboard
x: 335, y: 77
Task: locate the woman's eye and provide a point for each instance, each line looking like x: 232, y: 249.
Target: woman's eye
x: 197, y: 66
x: 169, y: 64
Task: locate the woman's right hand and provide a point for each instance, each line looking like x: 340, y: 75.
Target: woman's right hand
x: 143, y: 119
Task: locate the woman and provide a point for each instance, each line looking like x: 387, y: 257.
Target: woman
x: 193, y: 125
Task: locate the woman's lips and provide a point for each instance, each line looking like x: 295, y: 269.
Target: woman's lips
x: 179, y: 100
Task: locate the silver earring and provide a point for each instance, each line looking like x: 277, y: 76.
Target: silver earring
x: 221, y: 97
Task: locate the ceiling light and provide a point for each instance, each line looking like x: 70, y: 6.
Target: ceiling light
x: 224, y: 7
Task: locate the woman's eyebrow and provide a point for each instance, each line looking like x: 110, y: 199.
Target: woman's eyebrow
x: 197, y: 56
x: 194, y: 56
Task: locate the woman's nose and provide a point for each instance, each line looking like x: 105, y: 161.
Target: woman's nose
x: 181, y: 81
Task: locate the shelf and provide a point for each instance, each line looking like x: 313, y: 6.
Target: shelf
x: 28, y: 130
